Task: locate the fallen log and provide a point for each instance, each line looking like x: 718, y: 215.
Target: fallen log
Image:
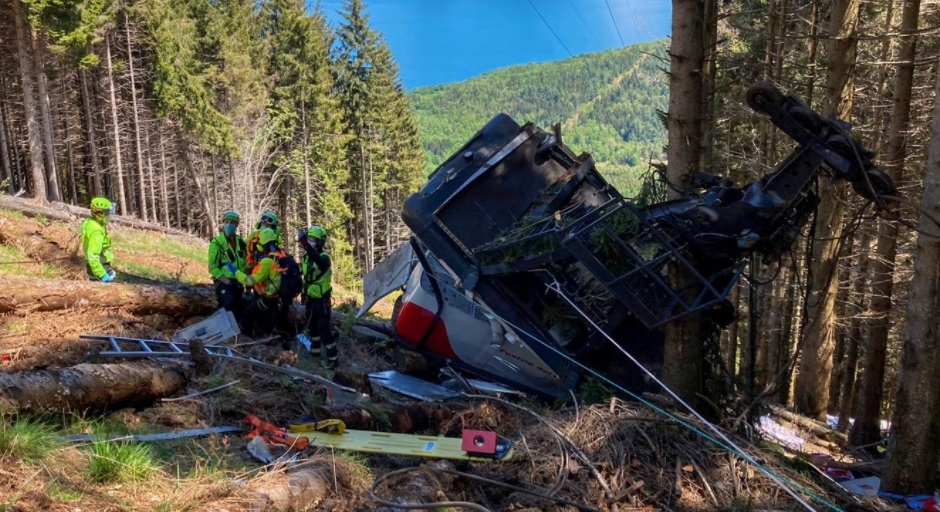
x: 816, y: 427
x: 90, y: 387
x: 27, y: 237
x: 295, y: 489
x: 26, y: 295
x: 68, y: 213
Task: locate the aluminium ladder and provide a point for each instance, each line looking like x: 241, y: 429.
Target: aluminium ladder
x: 124, y: 347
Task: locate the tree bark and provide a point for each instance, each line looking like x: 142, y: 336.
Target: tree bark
x: 118, y: 168
x: 867, y: 428
x: 141, y: 195
x: 52, y: 172
x: 90, y: 139
x: 89, y: 386
x: 5, y: 152
x: 812, y: 383
x: 684, y: 348
x: 36, y: 174
x: 25, y: 295
x: 914, y: 443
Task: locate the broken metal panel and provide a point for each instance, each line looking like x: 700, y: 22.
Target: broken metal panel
x: 213, y: 330
x: 386, y: 277
x: 412, y: 386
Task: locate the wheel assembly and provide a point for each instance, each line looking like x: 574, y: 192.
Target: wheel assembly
x: 764, y: 97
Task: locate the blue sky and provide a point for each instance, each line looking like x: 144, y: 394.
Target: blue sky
x: 443, y: 41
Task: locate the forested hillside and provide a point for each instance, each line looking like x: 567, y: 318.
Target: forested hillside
x: 606, y: 102
x: 181, y: 110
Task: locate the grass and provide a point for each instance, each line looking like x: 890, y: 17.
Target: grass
x: 9, y: 265
x: 27, y: 439
x: 63, y: 494
x: 119, y: 462
x: 146, y: 242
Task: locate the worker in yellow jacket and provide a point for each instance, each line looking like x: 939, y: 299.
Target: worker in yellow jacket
x: 96, y: 244
x: 228, y: 247
x: 258, y: 316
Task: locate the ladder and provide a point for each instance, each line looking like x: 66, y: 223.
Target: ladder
x: 124, y: 347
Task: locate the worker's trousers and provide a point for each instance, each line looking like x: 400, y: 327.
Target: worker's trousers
x: 318, y: 328
x: 258, y: 317
x: 230, y: 297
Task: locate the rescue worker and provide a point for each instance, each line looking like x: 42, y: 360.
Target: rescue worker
x: 317, y: 294
x: 268, y: 220
x: 258, y: 316
x: 228, y: 247
x: 96, y: 244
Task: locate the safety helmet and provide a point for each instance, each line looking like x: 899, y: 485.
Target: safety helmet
x: 231, y: 216
x: 269, y: 219
x: 266, y: 236
x: 101, y: 205
x: 316, y: 232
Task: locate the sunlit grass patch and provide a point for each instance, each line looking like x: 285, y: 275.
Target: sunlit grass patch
x: 27, y: 439
x: 116, y: 461
x: 147, y: 242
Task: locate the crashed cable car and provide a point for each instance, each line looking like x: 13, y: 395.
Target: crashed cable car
x: 524, y: 260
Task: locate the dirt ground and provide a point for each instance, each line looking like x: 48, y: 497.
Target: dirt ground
x: 612, y: 455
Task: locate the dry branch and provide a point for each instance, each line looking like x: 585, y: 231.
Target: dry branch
x: 89, y: 386
x: 26, y: 295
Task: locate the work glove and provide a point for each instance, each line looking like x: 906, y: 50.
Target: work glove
x: 231, y: 268
x: 302, y: 237
x: 108, y: 276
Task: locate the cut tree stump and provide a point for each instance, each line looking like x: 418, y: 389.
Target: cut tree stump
x: 26, y: 295
x: 90, y: 386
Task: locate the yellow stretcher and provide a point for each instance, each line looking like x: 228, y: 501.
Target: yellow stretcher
x: 400, y: 444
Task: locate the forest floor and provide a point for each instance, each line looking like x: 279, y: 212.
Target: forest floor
x: 593, y: 452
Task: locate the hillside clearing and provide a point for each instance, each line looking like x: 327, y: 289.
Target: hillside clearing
x: 605, y: 455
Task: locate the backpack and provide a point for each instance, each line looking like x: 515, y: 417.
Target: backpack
x: 292, y: 281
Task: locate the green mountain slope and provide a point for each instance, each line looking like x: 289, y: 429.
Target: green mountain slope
x: 606, y: 102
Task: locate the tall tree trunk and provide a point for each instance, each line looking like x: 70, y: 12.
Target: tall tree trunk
x: 784, y: 395
x: 5, y: 151
x: 854, y: 338
x: 914, y: 443
x: 90, y: 139
x: 710, y: 43
x: 731, y: 351
x: 141, y: 194
x: 684, y: 349
x: 52, y: 173
x: 163, y: 172
x: 867, y: 427
x: 197, y: 183
x: 811, y: 53
x: 23, y: 45
x: 151, y: 179
x: 812, y: 383
x: 121, y: 196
